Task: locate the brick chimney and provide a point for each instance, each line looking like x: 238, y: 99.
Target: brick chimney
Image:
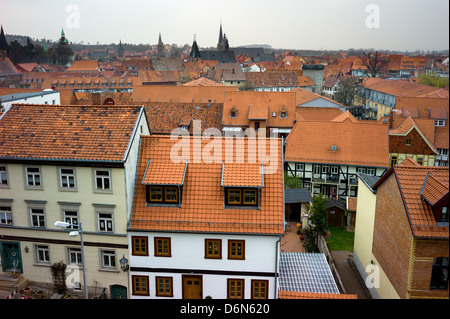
x: 391, y: 119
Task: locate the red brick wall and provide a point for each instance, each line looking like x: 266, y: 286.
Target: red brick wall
x: 397, y: 144
x: 425, y: 251
x: 392, y: 235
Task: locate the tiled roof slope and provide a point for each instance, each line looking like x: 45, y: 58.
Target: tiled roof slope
x: 194, y: 94
x: 358, y: 143
x: 312, y: 295
x: 402, y: 88
x: 67, y: 132
x: 411, y: 178
x: 433, y: 189
x: 249, y: 103
x: 202, y: 208
x: 165, y: 117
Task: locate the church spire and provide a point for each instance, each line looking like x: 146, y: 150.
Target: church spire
x: 220, y: 34
x: 195, y: 52
x: 4, y: 47
x: 160, y: 47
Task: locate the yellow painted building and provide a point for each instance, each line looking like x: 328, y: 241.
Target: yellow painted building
x: 75, y: 164
x: 374, y: 277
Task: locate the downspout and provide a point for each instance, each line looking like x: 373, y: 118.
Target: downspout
x: 276, y: 267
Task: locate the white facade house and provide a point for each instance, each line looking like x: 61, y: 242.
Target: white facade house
x: 205, y: 230
x: 84, y: 176
x: 43, y: 97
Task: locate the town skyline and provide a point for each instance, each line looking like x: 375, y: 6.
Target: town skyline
x: 323, y: 25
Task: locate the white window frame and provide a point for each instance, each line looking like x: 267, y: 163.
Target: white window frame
x: 325, y: 169
x: 334, y: 169
x: 110, y: 256
x: 439, y: 123
x: 371, y: 171
x: 33, y: 176
x: 103, y: 178
x: 76, y: 253
x: 65, y: 177
x: 5, y: 210
x: 40, y: 217
x: 104, y: 209
x: 4, y: 180
x: 44, y: 251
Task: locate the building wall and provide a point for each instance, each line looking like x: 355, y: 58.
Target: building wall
x: 392, y: 237
x: 53, y: 98
x: 363, y: 256
x: 188, y: 257
x: 425, y: 250
x: 57, y: 239
x: 346, y: 173
x: 426, y: 160
x: 397, y: 144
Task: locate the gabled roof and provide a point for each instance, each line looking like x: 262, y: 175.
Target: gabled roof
x: 411, y: 179
x: 202, y: 200
x: 399, y: 87
x: 259, y: 105
x: 58, y: 132
x: 304, y: 97
x: 312, y: 113
x: 358, y: 143
x: 407, y: 126
x: 433, y: 189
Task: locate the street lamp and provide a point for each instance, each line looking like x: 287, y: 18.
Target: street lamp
x: 73, y: 234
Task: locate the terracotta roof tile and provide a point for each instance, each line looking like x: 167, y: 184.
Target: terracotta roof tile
x: 158, y: 173
x: 308, y: 113
x: 202, y: 206
x: 242, y: 175
x: 67, y: 132
x: 433, y: 189
x: 312, y: 141
x: 411, y: 180
x: 247, y: 102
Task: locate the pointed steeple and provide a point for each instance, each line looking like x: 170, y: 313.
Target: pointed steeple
x: 195, y: 52
x: 160, y: 47
x: 120, y: 50
x: 4, y: 47
x: 220, y: 33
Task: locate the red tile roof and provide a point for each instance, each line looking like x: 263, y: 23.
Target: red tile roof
x: 67, y: 132
x: 312, y: 141
x: 242, y: 175
x: 411, y: 178
x: 433, y: 189
x: 202, y: 208
x: 259, y: 105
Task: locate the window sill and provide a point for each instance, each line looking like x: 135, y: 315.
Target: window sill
x: 112, y: 270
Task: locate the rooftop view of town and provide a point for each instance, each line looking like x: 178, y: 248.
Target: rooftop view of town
x: 192, y: 171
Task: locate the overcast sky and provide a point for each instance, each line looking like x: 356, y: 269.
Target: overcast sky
x: 290, y: 24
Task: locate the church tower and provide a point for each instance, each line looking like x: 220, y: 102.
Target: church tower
x: 160, y: 47
x: 120, y: 50
x: 222, y: 45
x: 195, y: 52
x: 4, y: 47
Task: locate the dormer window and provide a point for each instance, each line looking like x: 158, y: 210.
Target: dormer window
x: 240, y: 191
x: 162, y: 194
x: 283, y: 112
x: 162, y: 190
x: 233, y: 112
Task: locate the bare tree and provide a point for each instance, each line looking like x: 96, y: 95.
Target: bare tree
x: 375, y: 63
x: 347, y: 88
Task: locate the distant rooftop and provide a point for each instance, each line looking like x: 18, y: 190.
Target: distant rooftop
x: 24, y: 95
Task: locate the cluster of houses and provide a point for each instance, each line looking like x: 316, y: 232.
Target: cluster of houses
x: 175, y: 197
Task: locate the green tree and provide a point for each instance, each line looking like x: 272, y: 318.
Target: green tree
x: 433, y: 79
x: 292, y: 182
x: 317, y: 223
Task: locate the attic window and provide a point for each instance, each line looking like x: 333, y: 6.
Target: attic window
x: 283, y: 112
x: 334, y: 148
x: 274, y: 114
x: 233, y: 112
